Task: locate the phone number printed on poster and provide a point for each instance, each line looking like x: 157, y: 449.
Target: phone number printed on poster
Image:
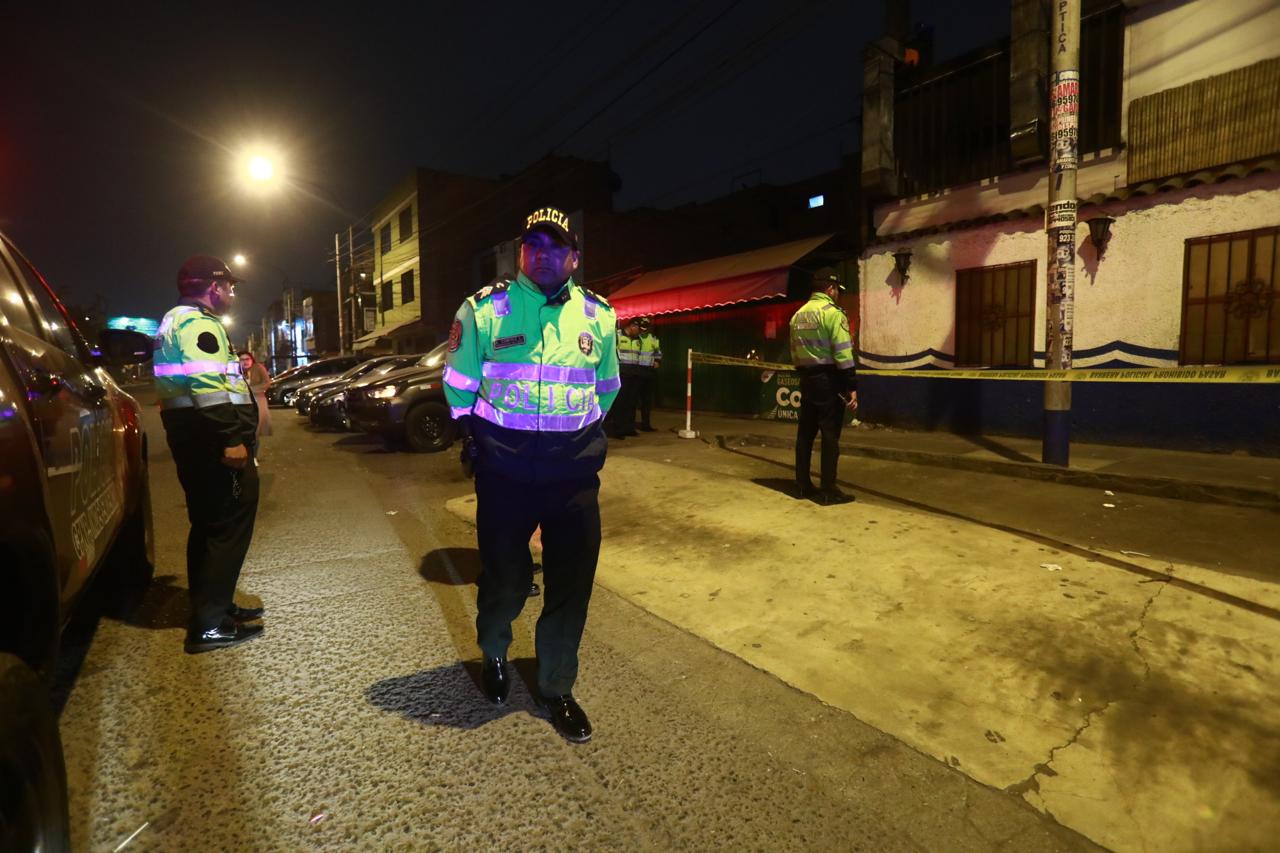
x: 1064, y: 119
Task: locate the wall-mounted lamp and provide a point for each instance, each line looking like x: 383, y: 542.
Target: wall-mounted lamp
x: 902, y: 263
x: 1100, y: 233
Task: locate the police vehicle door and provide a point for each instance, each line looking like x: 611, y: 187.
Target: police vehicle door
x: 83, y: 454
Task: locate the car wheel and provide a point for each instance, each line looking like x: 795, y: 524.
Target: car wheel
x: 428, y: 428
x: 33, y: 777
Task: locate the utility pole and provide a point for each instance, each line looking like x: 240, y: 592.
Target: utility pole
x: 352, y: 284
x: 337, y: 274
x: 1060, y: 225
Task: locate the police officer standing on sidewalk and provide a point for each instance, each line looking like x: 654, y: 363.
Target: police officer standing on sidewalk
x: 210, y: 423
x: 633, y: 375
x: 650, y: 361
x: 822, y: 351
x: 532, y: 369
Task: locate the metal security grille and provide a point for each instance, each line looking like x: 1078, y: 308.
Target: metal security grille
x: 1230, y: 289
x: 995, y: 310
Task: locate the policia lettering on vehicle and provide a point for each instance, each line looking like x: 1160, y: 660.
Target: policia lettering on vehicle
x: 532, y: 369
x: 210, y: 422
x: 822, y: 351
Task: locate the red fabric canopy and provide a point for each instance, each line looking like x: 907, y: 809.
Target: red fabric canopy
x: 746, y: 277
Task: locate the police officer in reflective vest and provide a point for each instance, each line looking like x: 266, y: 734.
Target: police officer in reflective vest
x: 210, y: 422
x: 532, y: 370
x: 624, y: 418
x: 822, y: 351
x: 650, y: 361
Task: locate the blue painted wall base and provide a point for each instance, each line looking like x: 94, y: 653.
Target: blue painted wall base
x: 1211, y: 418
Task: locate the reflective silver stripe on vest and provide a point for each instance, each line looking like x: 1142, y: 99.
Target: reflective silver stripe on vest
x: 200, y: 401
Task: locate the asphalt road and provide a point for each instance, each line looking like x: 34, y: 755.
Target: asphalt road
x: 355, y: 721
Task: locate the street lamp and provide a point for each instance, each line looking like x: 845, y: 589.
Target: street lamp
x: 239, y: 260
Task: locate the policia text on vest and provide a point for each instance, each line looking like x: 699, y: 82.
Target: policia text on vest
x: 532, y: 370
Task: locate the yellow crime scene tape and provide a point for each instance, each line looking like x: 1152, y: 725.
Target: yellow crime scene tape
x: 1241, y: 374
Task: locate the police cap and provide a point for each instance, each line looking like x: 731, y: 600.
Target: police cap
x: 200, y: 271
x: 552, y: 220
x: 827, y: 276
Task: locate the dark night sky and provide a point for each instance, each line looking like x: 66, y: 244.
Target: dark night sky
x: 121, y: 124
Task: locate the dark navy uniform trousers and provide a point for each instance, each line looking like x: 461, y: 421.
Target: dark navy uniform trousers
x: 507, y: 513
x: 821, y: 410
x: 222, y: 505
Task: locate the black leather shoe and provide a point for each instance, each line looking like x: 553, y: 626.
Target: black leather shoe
x: 244, y: 614
x: 647, y: 428
x: 568, y: 718
x: 495, y: 678
x: 229, y: 633
x: 832, y: 497
x: 534, y: 589
x: 619, y: 436
x: 805, y: 490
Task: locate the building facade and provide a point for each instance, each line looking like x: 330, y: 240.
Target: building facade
x: 1179, y: 223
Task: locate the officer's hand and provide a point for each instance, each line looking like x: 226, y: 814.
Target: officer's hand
x: 853, y: 401
x: 236, y: 457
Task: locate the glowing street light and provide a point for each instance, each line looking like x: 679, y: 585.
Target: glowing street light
x: 239, y: 260
x: 261, y: 169
x: 226, y: 320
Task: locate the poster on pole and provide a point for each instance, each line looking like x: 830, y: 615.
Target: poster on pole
x: 1061, y: 214
x: 1064, y: 120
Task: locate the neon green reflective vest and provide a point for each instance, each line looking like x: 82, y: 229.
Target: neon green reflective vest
x: 194, y: 365
x: 650, y: 350
x: 820, y: 334
x: 523, y: 361
x: 628, y: 350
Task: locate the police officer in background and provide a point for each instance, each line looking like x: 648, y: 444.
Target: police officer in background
x: 633, y: 376
x: 210, y: 423
x: 822, y: 351
x: 650, y: 361
x: 532, y: 369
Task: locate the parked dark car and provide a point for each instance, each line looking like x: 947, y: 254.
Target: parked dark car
x: 308, y: 392
x: 75, y: 512
x: 285, y: 386
x: 328, y: 408
x: 406, y: 406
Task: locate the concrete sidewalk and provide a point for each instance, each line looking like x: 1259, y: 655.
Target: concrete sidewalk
x: 1239, y: 480
x: 1125, y: 699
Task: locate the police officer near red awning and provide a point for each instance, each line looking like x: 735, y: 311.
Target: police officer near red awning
x: 822, y: 351
x: 532, y: 370
x: 210, y: 422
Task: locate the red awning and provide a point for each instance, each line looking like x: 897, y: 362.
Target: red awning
x: 745, y: 277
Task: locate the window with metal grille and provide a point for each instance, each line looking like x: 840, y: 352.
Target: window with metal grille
x: 406, y: 223
x: 1229, y: 299
x: 995, y: 309
x: 406, y: 287
x: 388, y: 298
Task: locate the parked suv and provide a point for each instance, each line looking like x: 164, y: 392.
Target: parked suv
x: 406, y: 406
x: 284, y: 387
x: 309, y: 391
x: 74, y: 508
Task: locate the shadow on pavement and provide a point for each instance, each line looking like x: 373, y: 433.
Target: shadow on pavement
x: 998, y: 449
x: 450, y: 696
x: 777, y: 484
x: 451, y: 566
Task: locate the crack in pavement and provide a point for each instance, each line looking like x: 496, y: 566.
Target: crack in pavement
x: 1045, y: 768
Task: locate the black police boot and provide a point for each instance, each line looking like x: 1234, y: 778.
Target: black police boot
x: 244, y: 614
x: 495, y: 678
x: 568, y: 717
x: 832, y: 497
x: 229, y: 633
x: 647, y: 428
x: 805, y: 490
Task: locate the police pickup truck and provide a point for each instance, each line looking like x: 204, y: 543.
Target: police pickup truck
x: 74, y: 510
